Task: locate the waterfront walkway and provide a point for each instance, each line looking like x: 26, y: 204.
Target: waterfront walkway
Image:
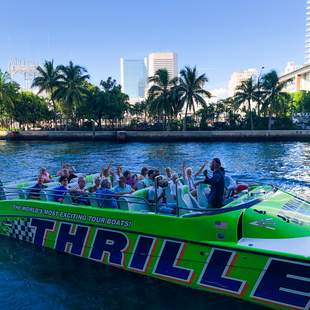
x: 160, y: 136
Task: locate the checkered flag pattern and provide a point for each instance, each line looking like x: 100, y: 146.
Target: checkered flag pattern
x: 22, y: 230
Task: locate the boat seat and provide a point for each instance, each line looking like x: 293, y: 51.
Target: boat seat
x: 186, y: 200
x: 68, y: 198
x: 123, y: 203
x: 140, y: 185
x: 230, y: 186
x: 49, y: 193
x: 169, y: 196
x: 202, y: 192
x: 93, y: 200
x: 2, y: 192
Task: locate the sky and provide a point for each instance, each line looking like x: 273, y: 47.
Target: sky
x: 217, y: 36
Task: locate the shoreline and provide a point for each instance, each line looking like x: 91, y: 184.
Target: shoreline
x: 159, y: 136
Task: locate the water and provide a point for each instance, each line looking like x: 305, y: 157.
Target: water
x: 39, y: 278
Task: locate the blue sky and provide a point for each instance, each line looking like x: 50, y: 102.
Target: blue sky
x: 219, y: 36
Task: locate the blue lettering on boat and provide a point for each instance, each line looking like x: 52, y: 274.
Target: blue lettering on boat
x: 111, y: 243
x: 75, y: 239
x: 214, y: 274
x: 284, y: 282
x: 167, y: 265
x: 142, y: 253
x: 41, y: 227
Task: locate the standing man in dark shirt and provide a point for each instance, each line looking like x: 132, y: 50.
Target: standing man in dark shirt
x: 217, y: 184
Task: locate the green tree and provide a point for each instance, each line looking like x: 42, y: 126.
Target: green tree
x: 48, y: 80
x: 301, y: 101
x: 116, y: 103
x: 159, y: 95
x: 273, y: 94
x: 8, y: 95
x: 72, y: 90
x: 246, y: 94
x: 30, y: 109
x: 191, y: 86
x: 139, y: 110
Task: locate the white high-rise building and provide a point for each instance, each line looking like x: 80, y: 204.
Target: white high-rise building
x: 237, y: 78
x: 307, y: 54
x: 163, y: 60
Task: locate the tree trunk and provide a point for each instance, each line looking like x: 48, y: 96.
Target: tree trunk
x: 251, y: 115
x: 185, y: 116
x: 270, y: 117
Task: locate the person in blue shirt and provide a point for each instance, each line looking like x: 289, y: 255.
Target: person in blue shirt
x: 105, y: 195
x: 122, y: 188
x: 217, y: 184
x: 60, y: 191
x: 35, y: 191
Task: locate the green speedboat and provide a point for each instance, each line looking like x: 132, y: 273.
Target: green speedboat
x: 256, y: 248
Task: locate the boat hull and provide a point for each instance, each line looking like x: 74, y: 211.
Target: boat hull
x: 115, y: 239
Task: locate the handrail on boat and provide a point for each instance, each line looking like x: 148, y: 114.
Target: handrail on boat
x: 72, y: 198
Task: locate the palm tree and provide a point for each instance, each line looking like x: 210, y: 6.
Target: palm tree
x: 191, y: 86
x: 48, y: 80
x: 272, y: 89
x: 159, y: 94
x: 246, y: 93
x: 72, y: 89
x: 175, y: 98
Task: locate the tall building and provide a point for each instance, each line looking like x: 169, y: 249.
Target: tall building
x: 237, y: 78
x: 307, y: 54
x: 298, y: 78
x: 133, y: 78
x: 163, y: 60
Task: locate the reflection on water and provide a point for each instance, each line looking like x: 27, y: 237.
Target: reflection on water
x: 42, y: 279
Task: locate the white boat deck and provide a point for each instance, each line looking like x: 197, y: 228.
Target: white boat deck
x: 297, y: 246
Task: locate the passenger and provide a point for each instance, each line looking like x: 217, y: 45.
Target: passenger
x: 149, y: 179
x: 130, y: 179
x: 96, y: 185
x: 60, y: 191
x: 217, y: 184
x: 173, y: 185
x: 66, y: 166
x: 79, y: 192
x: 156, y: 193
x: 66, y: 173
x: 35, y: 191
x: 106, y: 196
x: 106, y: 172
x: 168, y: 172
x: 123, y: 188
x: 143, y: 173
x: 189, y: 178
x: 117, y: 175
x: 45, y: 175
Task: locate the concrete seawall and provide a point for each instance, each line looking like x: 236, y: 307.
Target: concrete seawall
x: 159, y: 136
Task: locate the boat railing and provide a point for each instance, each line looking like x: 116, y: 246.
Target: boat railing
x: 71, y: 197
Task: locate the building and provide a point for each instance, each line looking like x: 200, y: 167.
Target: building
x: 237, y: 78
x: 290, y: 67
x: 307, y: 47
x: 134, y: 78
x: 163, y: 60
x: 297, y: 80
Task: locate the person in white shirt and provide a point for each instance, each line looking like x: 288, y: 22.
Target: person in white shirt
x: 189, y: 177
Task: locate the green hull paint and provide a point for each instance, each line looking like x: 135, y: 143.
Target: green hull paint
x: 200, y: 239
